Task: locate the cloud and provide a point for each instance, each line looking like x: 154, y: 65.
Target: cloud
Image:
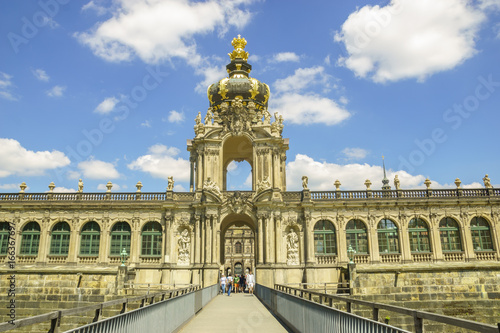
x: 285, y: 56
x: 102, y: 187
x: 409, y: 39
x: 158, y: 30
x: 302, y: 78
x: 489, y: 5
x: 56, y: 91
x: 146, y: 124
x: 41, y: 75
x: 352, y: 176
x: 353, y: 154
x: 175, y: 117
x: 59, y: 189
x: 5, y: 86
x: 161, y: 162
x: 9, y: 186
x: 100, y: 10
x: 95, y: 169
x: 212, y: 74
x: 107, y: 106
x: 17, y: 160
x: 309, y: 109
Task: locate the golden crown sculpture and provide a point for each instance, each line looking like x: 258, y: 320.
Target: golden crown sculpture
x: 238, y: 52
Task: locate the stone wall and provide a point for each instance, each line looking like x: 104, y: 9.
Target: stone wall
x: 465, y: 291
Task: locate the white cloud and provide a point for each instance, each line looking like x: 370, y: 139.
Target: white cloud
x: 9, y: 186
x: 489, y: 4
x: 56, y: 91
x: 322, y: 175
x: 161, y: 162
x: 41, y: 75
x: 160, y: 30
x: 17, y: 160
x: 102, y: 187
x: 58, y: 189
x: 146, y: 124
x: 309, y: 109
x: 302, y: 78
x: 409, y: 39
x: 175, y: 117
x: 212, y: 74
x: 5, y: 86
x: 95, y: 169
x: 106, y: 106
x: 286, y: 56
x: 353, y: 154
x: 100, y: 10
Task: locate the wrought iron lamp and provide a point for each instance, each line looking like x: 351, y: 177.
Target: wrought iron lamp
x: 123, y: 256
x: 350, y: 254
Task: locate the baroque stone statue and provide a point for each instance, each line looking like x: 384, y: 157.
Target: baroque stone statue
x: 170, y: 186
x: 292, y: 247
x: 184, y: 244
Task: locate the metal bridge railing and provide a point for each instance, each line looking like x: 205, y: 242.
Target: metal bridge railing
x: 176, y: 306
x: 302, y: 315
x: 418, y: 316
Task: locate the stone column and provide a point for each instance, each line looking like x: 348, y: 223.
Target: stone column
x: 135, y: 241
x: 73, y: 242
x: 279, y: 241
x: 197, y: 239
x: 466, y: 238
x: 276, y: 168
x: 270, y: 239
x: 435, y: 237
x: 192, y: 160
x: 373, y: 241
x: 199, y: 169
x: 310, y: 259
x: 404, y: 240
x: 103, y: 241
x: 342, y: 242
x: 203, y: 239
x: 208, y: 245
x: 43, y: 246
x: 494, y: 233
x: 214, y: 239
x: 260, y: 234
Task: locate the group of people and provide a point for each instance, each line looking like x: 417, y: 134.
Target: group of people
x: 239, y: 283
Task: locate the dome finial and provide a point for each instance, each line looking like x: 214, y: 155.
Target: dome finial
x: 238, y: 52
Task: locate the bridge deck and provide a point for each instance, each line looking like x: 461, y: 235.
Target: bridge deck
x: 237, y: 313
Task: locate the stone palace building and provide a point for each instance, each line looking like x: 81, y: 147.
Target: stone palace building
x: 396, y: 237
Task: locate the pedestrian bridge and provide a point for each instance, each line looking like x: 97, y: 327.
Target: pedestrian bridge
x: 282, y: 309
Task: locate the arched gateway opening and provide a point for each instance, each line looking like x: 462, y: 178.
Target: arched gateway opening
x: 239, y: 245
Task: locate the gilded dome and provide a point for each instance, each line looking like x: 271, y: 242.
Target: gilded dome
x: 239, y: 83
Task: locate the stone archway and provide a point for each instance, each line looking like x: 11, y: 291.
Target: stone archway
x: 238, y: 240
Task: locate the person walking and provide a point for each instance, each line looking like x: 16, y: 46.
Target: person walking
x: 250, y: 282
x: 236, y: 283
x: 242, y: 283
x: 229, y: 283
x: 223, y: 283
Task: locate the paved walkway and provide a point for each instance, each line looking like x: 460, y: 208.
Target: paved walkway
x: 238, y: 313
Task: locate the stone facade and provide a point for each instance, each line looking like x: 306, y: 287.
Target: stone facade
x: 301, y: 236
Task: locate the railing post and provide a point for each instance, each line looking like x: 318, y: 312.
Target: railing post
x: 348, y: 304
x: 124, y: 306
x: 55, y: 323
x: 375, y: 313
x: 98, y: 314
x: 330, y: 302
x: 419, y: 323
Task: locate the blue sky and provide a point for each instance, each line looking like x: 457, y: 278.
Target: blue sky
x: 108, y: 90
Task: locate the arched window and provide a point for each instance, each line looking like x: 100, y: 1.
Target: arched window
x: 30, y: 239
x: 481, y: 235
x: 237, y: 248
x: 419, y: 236
x: 388, y: 241
x: 151, y: 239
x: 324, y: 238
x: 120, y: 238
x: 59, y: 242
x: 356, y: 236
x: 450, y: 235
x: 89, y: 240
x: 4, y: 238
